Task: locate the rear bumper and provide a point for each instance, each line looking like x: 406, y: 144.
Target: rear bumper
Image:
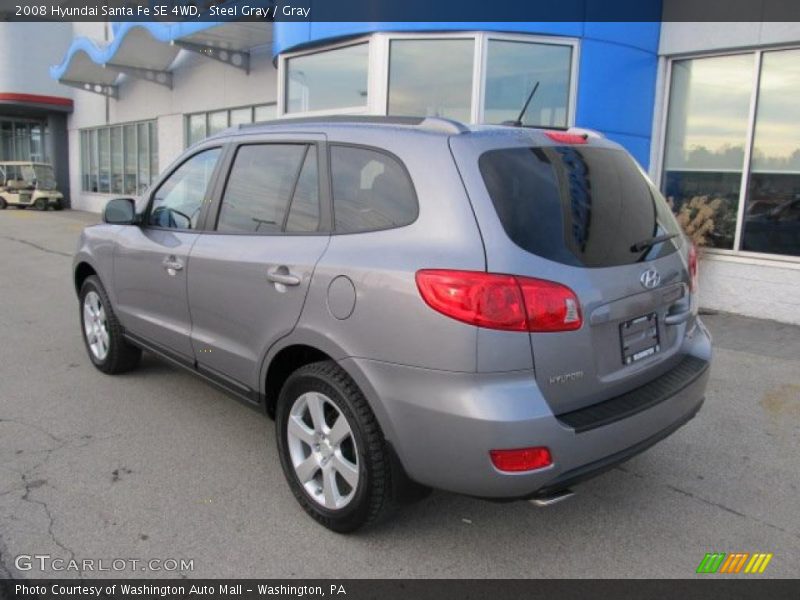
x: 443, y: 425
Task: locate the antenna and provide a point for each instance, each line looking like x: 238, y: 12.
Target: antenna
x: 518, y: 121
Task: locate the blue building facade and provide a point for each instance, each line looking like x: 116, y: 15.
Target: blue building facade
x: 617, y: 68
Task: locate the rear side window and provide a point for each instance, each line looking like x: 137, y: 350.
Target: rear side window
x: 577, y: 206
x: 371, y: 191
x: 262, y: 183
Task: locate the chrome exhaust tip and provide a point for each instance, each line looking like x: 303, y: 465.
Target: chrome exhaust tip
x: 551, y: 499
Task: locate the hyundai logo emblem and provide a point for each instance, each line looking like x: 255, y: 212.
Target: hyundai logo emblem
x: 650, y: 279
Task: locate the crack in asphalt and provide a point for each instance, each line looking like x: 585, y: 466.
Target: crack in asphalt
x: 694, y: 496
x: 37, y: 246
x: 30, y: 484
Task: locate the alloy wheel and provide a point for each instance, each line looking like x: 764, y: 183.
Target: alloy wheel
x: 323, y: 451
x: 95, y: 325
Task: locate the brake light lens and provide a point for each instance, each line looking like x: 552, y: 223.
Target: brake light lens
x: 693, y: 269
x: 521, y: 459
x: 567, y: 138
x: 503, y: 302
x: 550, y: 305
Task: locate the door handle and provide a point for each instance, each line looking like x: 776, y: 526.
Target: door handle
x: 172, y: 264
x: 282, y: 275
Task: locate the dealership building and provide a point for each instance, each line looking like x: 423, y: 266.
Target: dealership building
x: 710, y: 110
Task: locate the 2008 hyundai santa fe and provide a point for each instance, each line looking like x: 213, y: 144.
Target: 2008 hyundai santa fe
x: 496, y: 311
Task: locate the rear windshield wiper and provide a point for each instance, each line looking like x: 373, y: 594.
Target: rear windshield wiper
x: 649, y: 243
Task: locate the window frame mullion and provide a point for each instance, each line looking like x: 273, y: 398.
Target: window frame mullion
x: 748, y: 151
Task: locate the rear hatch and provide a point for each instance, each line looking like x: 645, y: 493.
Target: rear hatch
x: 583, y: 214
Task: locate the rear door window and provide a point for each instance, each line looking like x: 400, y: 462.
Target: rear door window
x: 261, y: 183
x: 371, y: 190
x: 585, y: 207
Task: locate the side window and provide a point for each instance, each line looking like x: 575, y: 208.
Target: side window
x: 304, y: 209
x: 259, y: 187
x: 371, y: 191
x: 177, y: 202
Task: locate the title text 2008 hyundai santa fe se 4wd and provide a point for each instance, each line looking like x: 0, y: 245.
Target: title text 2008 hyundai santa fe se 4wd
x: 496, y: 311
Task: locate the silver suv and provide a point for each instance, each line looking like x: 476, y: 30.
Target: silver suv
x: 496, y: 311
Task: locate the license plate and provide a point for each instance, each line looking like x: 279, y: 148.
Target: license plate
x: 639, y: 338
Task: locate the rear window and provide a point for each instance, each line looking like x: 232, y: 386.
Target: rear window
x: 584, y: 207
x: 371, y: 191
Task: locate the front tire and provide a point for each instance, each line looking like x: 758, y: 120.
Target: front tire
x: 332, y: 450
x: 102, y: 332
x: 3, y: 203
x: 40, y: 204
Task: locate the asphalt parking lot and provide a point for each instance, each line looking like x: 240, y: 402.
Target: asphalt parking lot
x: 156, y: 464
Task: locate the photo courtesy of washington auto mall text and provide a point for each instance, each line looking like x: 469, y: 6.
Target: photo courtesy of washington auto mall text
x: 133, y: 589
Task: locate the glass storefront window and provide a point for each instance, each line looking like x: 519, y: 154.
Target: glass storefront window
x: 217, y: 121
x: 154, y: 167
x: 129, y: 181
x: 94, y: 183
x: 240, y: 116
x: 119, y: 159
x: 772, y: 212
x: 264, y: 112
x: 104, y: 160
x: 201, y: 125
x: 715, y: 111
x: 116, y: 160
x: 430, y: 77
x: 706, y: 135
x: 332, y: 79
x: 513, y: 69
x: 196, y: 127
x: 23, y: 139
x: 143, y: 139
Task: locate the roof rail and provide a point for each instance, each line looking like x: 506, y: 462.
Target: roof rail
x: 429, y: 123
x: 443, y: 125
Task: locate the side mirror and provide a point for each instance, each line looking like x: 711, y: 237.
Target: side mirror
x: 120, y: 211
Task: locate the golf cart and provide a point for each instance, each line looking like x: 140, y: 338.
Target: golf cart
x: 24, y: 184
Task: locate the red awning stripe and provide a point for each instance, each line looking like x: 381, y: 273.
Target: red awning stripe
x: 35, y: 99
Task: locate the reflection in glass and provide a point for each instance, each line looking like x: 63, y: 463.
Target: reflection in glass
x: 512, y: 70
x: 325, y: 80
x: 144, y: 160
x: 116, y: 160
x: 197, y: 128
x: 772, y: 212
x: 264, y: 112
x: 431, y: 78
x: 103, y: 149
x: 217, y: 121
x: 706, y: 134
x: 130, y: 160
x: 240, y: 116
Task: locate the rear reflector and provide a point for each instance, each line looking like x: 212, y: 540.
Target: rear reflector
x: 521, y: 459
x: 693, y: 268
x: 567, y: 138
x: 504, y: 302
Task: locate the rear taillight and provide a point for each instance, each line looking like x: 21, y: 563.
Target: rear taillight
x: 693, y: 268
x: 502, y: 302
x: 521, y: 459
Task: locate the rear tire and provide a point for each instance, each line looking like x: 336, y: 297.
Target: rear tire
x: 102, y: 332
x: 339, y: 471
x: 3, y: 203
x: 40, y: 204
